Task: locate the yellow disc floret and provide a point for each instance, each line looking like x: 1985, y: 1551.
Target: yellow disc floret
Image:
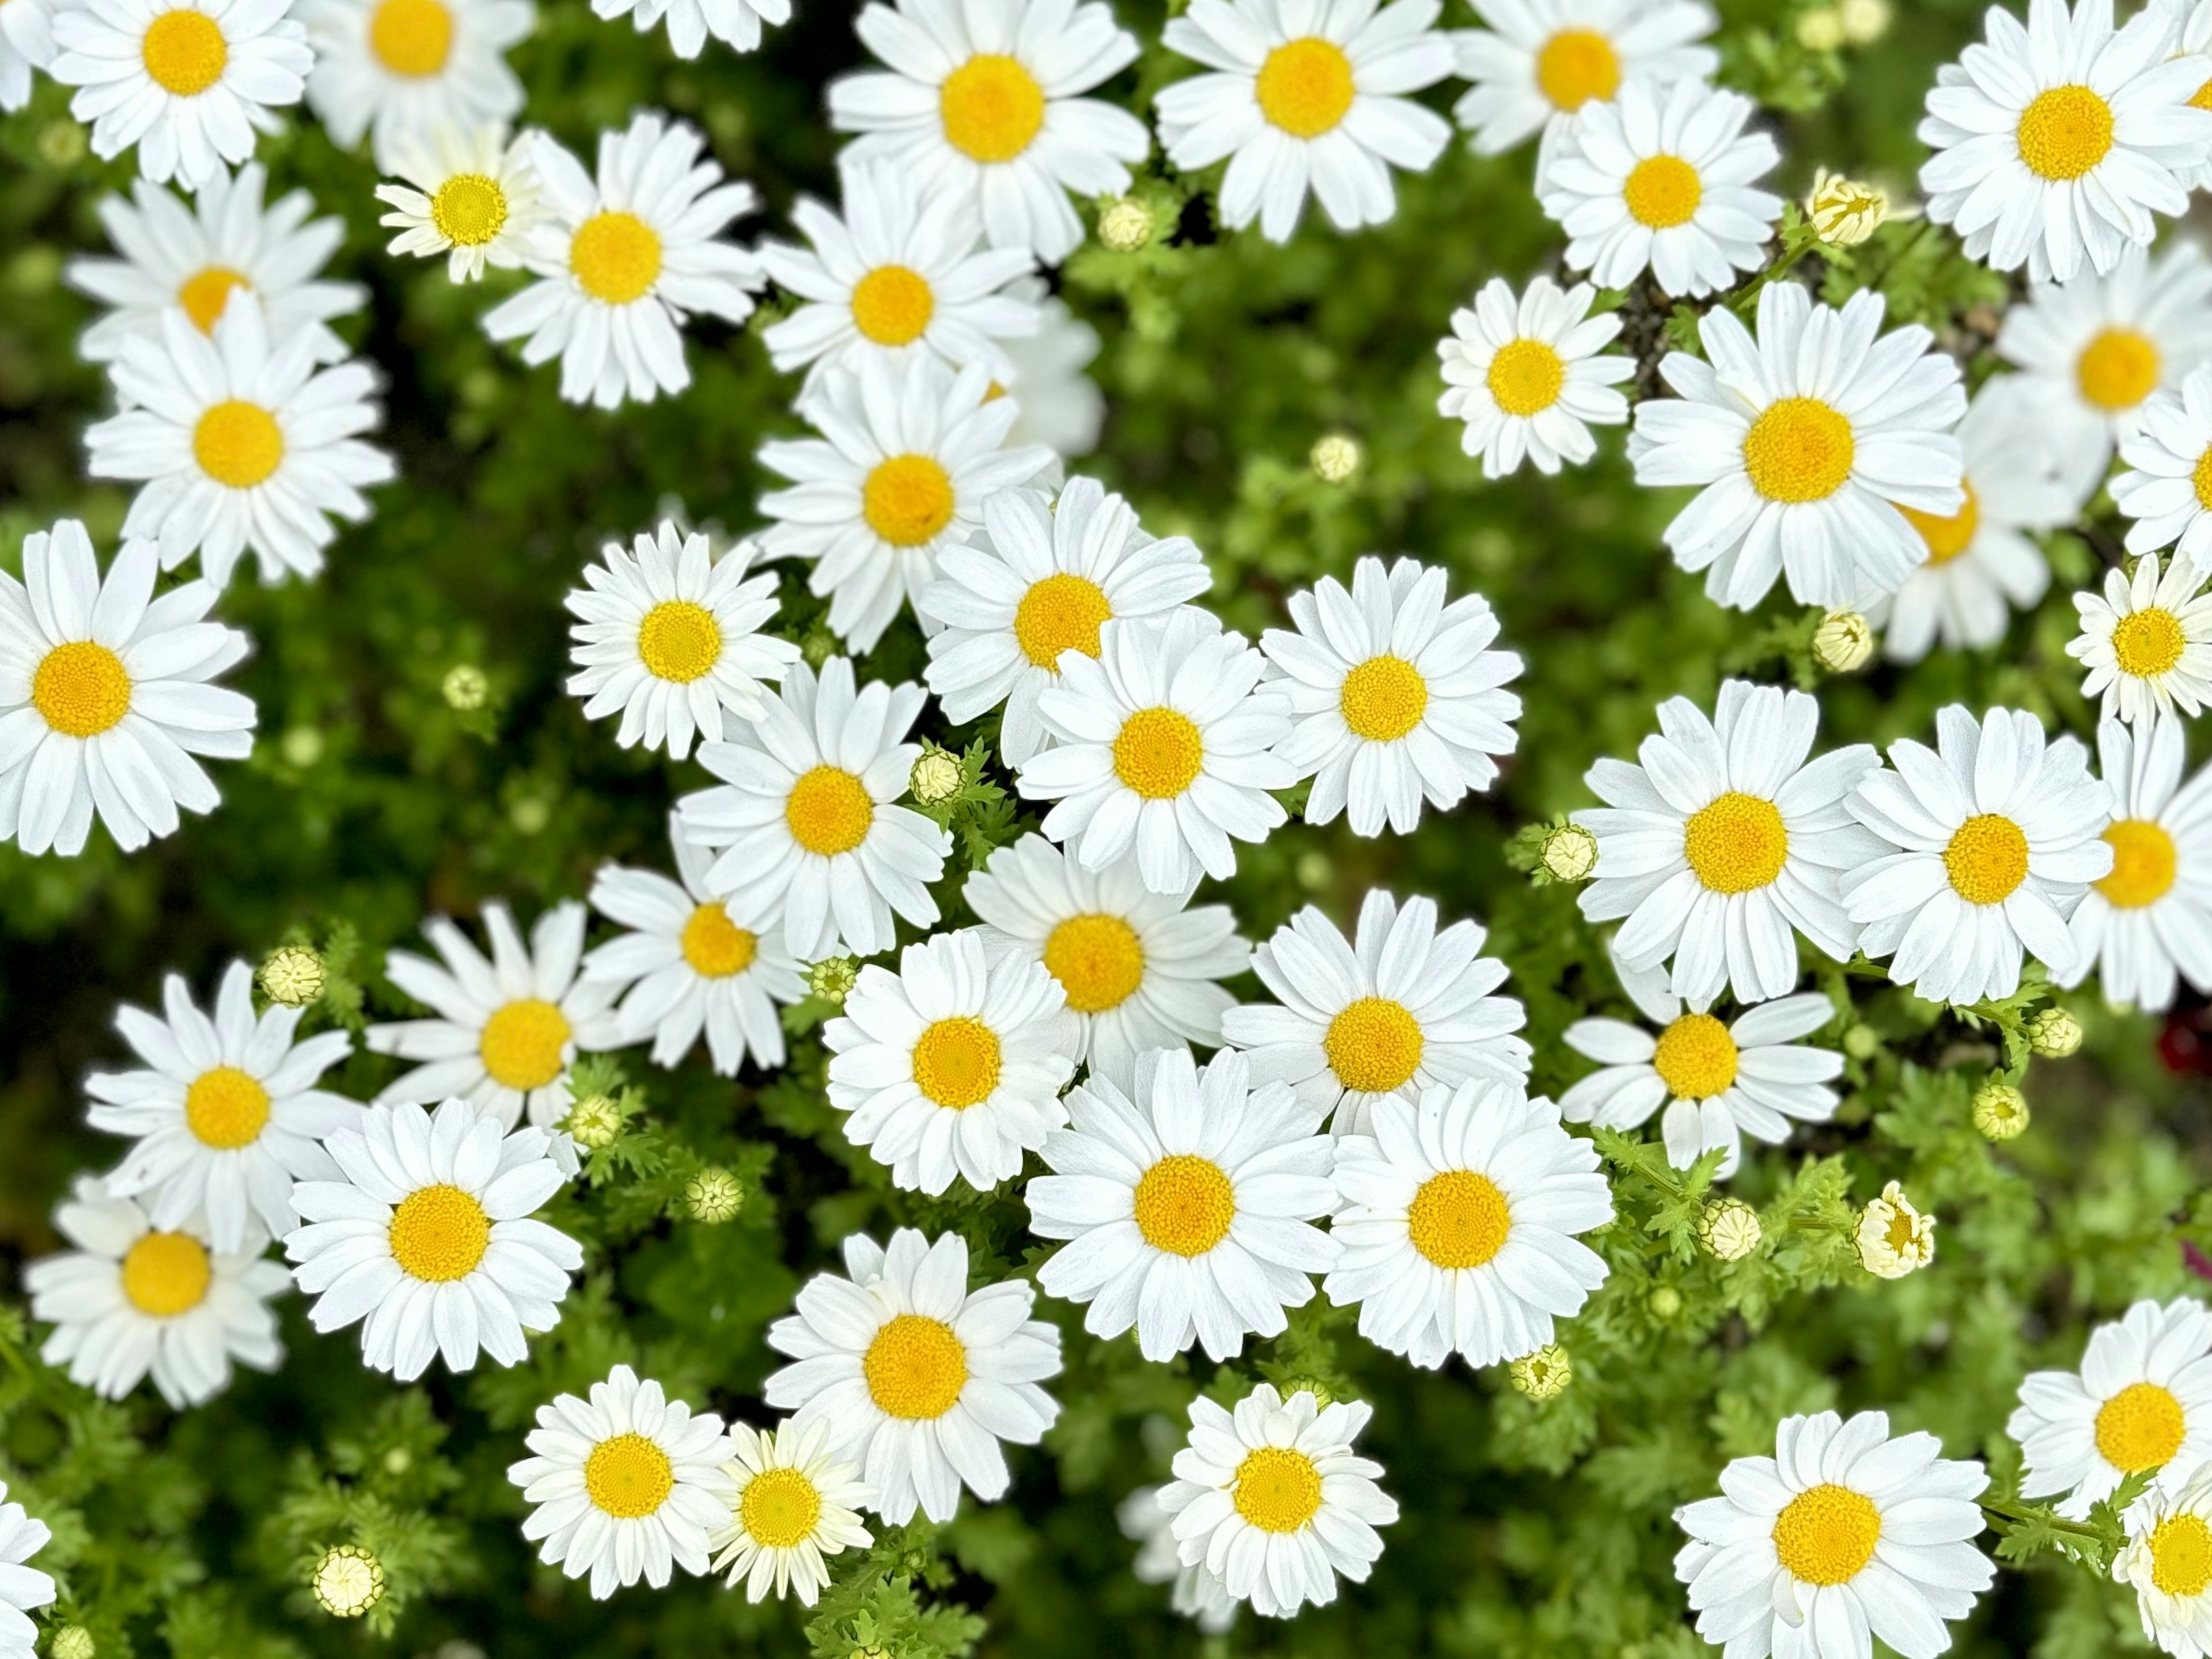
x: 908, y: 498
x: 1184, y: 1205
x: 1735, y: 842
x: 1374, y: 1046
x: 2140, y: 1427
x: 205, y: 292
x: 715, y: 947
x: 992, y: 108
x: 1986, y: 859
x: 1278, y: 1489
x: 1662, y: 191
x: 1304, y: 88
x: 184, y: 52
x: 1526, y: 377
x: 2065, y: 132
x: 1799, y: 449
x: 2118, y: 369
x: 165, y: 1274
x: 2148, y: 642
x: 829, y: 812
x: 225, y: 1109
x: 679, y: 641
x: 2181, y: 1555
x: 615, y: 258
x: 411, y: 38
x: 1947, y: 537
x: 81, y: 689
x: 470, y: 209
x: 1577, y: 67
x: 628, y: 1476
x: 1159, y: 752
x: 1459, y: 1220
x: 522, y: 1044
x: 956, y: 1061
x: 1098, y: 960
x: 892, y: 304
x: 1826, y: 1536
x: 2144, y: 862
x: 915, y: 1368
x: 780, y: 1509
x: 1696, y: 1058
x: 1060, y: 612
x: 1384, y: 699
x: 238, y: 444
x: 438, y: 1234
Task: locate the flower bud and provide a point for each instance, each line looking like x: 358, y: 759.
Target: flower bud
x: 63, y: 144
x: 1336, y: 457
x: 1842, y: 642
x: 293, y: 975
x: 1125, y: 225
x: 2054, y: 1034
x: 832, y: 979
x: 593, y: 1122
x: 713, y: 1196
x: 935, y: 777
x: 1865, y: 21
x: 349, y: 1581
x: 1862, y: 1042
x: 1665, y: 1301
x: 1542, y: 1374
x: 1570, y: 853
x: 1820, y: 29
x: 1729, y: 1229
x: 465, y: 686
x: 1894, y: 1238
x: 73, y: 1642
x: 1844, y: 211
x: 2000, y: 1111
x: 1324, y: 1396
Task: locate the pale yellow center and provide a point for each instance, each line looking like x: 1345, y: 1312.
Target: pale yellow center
x: 1799, y: 449
x: 892, y: 304
x: 1158, y: 753
x: 829, y: 812
x: 715, y: 947
x: 1696, y: 1058
x: 992, y: 108
x: 1278, y: 1489
x: 2201, y: 98
x: 2144, y: 861
x: 1062, y: 612
x: 81, y: 689
x: 615, y: 258
x: 1577, y: 67
x: 522, y: 1042
x: 915, y: 1368
x: 780, y: 1509
x: 165, y: 1274
x: 2118, y: 369
x: 1374, y: 1046
x: 908, y: 498
x: 1459, y: 1220
x: 238, y: 444
x: 679, y: 641
x: 1947, y: 537
x: 226, y: 1108
x: 1827, y: 1534
x: 1384, y: 699
x: 1736, y: 843
x: 470, y: 209
x: 1097, y: 959
x: 2065, y: 132
x: 438, y: 1234
x: 1184, y: 1205
x: 628, y: 1477
x: 1526, y: 377
x: 2148, y: 642
x: 956, y: 1062
x: 1305, y: 86
x: 2140, y: 1427
x: 2181, y: 1555
x: 205, y: 292
x: 411, y: 38
x: 2200, y: 480
x: 1987, y: 858
x: 184, y: 52
x: 1662, y: 191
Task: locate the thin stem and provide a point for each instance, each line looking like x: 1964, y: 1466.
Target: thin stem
x: 1998, y: 1508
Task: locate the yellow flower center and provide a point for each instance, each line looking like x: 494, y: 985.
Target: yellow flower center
x: 1827, y: 1534
x: 1157, y: 752
x: 1459, y: 1220
x: 2065, y: 132
x: 1374, y: 1046
x: 1987, y: 859
x: 908, y: 498
x: 1384, y: 699
x: 1696, y: 1057
x: 469, y: 210
x: 1305, y: 87
x: 992, y: 108
x: 205, y: 292
x: 165, y: 1274
x: 2118, y: 369
x: 184, y: 52
x: 956, y: 1062
x: 679, y: 641
x: 1525, y: 377
x: 411, y: 37
x: 829, y: 812
x: 2140, y: 1427
x: 780, y: 1509
x: 1577, y: 67
x: 715, y: 947
x: 1902, y: 1235
x: 1947, y: 538
x: 1278, y: 1489
x: 81, y: 689
x: 2181, y: 1555
x: 2201, y: 98
x: 1097, y: 959
x: 1798, y: 450
x: 915, y: 1368
x: 522, y: 1042
x: 628, y: 1477
x: 1663, y: 191
x: 226, y: 1108
x: 2148, y: 642
x: 237, y: 443
x: 2200, y: 479
x: 1736, y: 843
x: 1063, y: 612
x: 2143, y: 863
x: 438, y: 1234
x: 615, y: 258
x: 1184, y: 1205
x: 892, y: 304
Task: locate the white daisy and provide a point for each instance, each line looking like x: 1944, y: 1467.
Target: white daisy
x: 1187, y: 1201
x: 26, y: 43
x: 241, y: 442
x: 1273, y: 1501
x: 796, y: 1502
x: 1041, y: 577
x: 1540, y: 62
x: 2057, y: 139
x: 2167, y: 1559
x: 1457, y: 1218
x: 1139, y: 968
x: 471, y: 194
x: 133, y: 1300
x: 625, y: 1486
x: 1721, y: 1082
x: 1661, y: 180
x: 2147, y: 641
x: 1843, y: 1532
x: 227, y: 1115
x: 918, y: 1380
x: 1196, y: 1593
x: 104, y: 697
x: 1995, y: 838
x: 197, y: 253
x: 909, y: 452
x: 427, y: 1236
x: 1526, y: 377
x: 738, y: 22
x: 2192, y: 37
x: 1163, y: 744
x: 1725, y: 839
x: 2151, y: 917
x: 2167, y: 487
x: 1060, y: 406
x: 983, y: 99
x: 22, y: 1588
x: 951, y: 1066
x: 805, y: 821
x: 671, y: 636
x: 1405, y: 1009
x: 1807, y: 445
x: 623, y: 262
x: 403, y: 71
x: 1305, y: 96
x: 1395, y: 695
x: 508, y: 1030
x: 188, y: 81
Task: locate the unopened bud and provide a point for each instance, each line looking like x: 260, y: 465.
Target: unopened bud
x: 935, y: 777
x: 593, y: 1121
x: 2000, y: 1111
x: 293, y: 975
x: 1894, y: 1238
x: 1336, y: 458
x: 1125, y: 225
x: 713, y: 1196
x: 73, y: 1642
x: 1324, y: 1396
x: 1844, y: 211
x: 1820, y: 29
x: 1665, y: 1301
x: 1862, y: 1042
x: 1570, y: 853
x: 832, y: 979
x: 2054, y: 1034
x: 1729, y: 1229
x: 1865, y: 21
x: 465, y: 686
x: 1842, y: 642
x: 1542, y: 1374
x: 349, y: 1581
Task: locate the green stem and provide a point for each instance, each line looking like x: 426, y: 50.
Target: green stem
x: 2011, y: 1514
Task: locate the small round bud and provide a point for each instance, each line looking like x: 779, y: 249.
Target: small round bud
x: 465, y: 686
x: 294, y: 976
x: 530, y: 814
x: 832, y: 979
x: 1336, y: 457
x: 398, y: 1461
x: 1665, y: 1301
x: 1125, y: 225
x: 1313, y: 870
x: 1820, y: 29
x: 1729, y: 1229
x: 818, y: 647
x: 1570, y: 853
x: 2054, y: 1034
x: 1865, y: 21
x: 935, y: 777
x: 349, y: 1581
x: 1893, y: 1238
x: 1842, y: 642
x: 713, y: 1196
x: 1844, y: 211
x: 593, y: 1122
x: 1862, y: 1042
x: 63, y: 144
x: 1542, y: 1374
x: 302, y: 746
x: 73, y: 1642
x: 1324, y: 1396
x: 2000, y: 1111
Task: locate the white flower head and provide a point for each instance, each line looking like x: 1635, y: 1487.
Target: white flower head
x: 796, y: 1501
x: 737, y: 22
x: 470, y: 193
x: 1527, y: 377
x: 404, y: 71
x: 2192, y: 37
x: 2149, y: 919
x: 22, y: 1588
x: 1059, y: 405
x: 2147, y: 641
x: 2141, y: 1398
x: 1196, y: 1593
x: 2167, y: 1559
x: 1540, y: 62
x: 2167, y: 486
x: 26, y: 43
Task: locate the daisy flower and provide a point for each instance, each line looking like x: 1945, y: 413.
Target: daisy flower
x: 471, y: 194
x: 1457, y: 1218
x: 951, y: 1066
x: 197, y: 253
x: 1843, y: 1531
x: 22, y: 1588
x: 26, y: 43
x: 1526, y: 377
x: 1395, y: 695
x: 671, y: 636
x: 1806, y: 444
x: 690, y: 965
x: 1196, y: 1593
x: 2167, y: 487
x: 983, y: 99
x: 910, y: 451
x: 1163, y: 745
x: 1059, y: 405
x: 621, y: 262
x: 133, y: 1300
x: 1994, y: 838
x: 805, y: 823
x: 1305, y: 97
x: 918, y: 1380
x: 1540, y: 62
x: 104, y: 696
x: 2167, y: 1559
x: 508, y: 1030
x: 2056, y: 140
x: 1725, y: 840
x: 2192, y: 37
x: 429, y: 1237
x: 1661, y: 180
x: 403, y: 71
x: 227, y: 1115
x: 1721, y: 1082
x: 899, y: 273
x: 188, y: 81
x: 1187, y: 1203
x: 1139, y: 968
x: 1043, y: 577
x: 2141, y: 1399
x: 795, y: 1501
x: 738, y: 22
x: 2147, y: 641
x: 2151, y: 917
x: 1404, y: 1009
x: 1273, y: 1501
x: 627, y: 1484
x: 242, y: 444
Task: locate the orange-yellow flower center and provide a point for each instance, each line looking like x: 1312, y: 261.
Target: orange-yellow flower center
x: 1060, y: 612
x: 522, y: 1044
x: 1799, y: 449
x: 628, y: 1476
x: 438, y: 1234
x: 1736, y: 843
x: 1384, y: 699
x: 2140, y: 1427
x: 1305, y: 86
x: 184, y: 52
x: 2118, y: 369
x: 915, y: 1368
x: 411, y: 38
x: 225, y: 1109
x: 2065, y: 132
x: 892, y: 304
x: 165, y: 1274
x: 2181, y: 1555
x: 615, y: 258
x: 1278, y: 1489
x: 81, y: 689
x: 1526, y: 377
x: 1948, y: 537
x: 1987, y: 858
x: 2144, y: 861
x: 1159, y: 752
x: 1374, y: 1046
x: 238, y: 444
x: 1459, y: 1220
x: 2148, y: 642
x: 1696, y: 1058
x: 829, y: 812
x: 992, y: 108
x: 780, y: 1509
x: 1097, y: 959
x: 1185, y: 1204
x: 1827, y: 1534
x: 206, y: 292
x: 1662, y: 191
x: 1577, y: 67
x: 715, y: 947
x: 956, y: 1062
x: 908, y: 498
x: 679, y: 641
